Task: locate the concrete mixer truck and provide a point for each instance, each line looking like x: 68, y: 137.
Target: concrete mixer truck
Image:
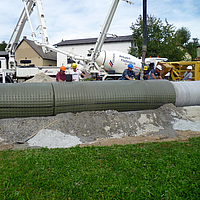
x: 113, y: 63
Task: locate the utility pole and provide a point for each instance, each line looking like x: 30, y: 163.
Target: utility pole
x: 144, y: 44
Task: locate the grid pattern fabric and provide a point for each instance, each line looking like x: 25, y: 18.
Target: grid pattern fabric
x: 26, y: 100
x: 112, y: 95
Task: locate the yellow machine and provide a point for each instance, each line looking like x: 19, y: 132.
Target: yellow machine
x: 179, y: 68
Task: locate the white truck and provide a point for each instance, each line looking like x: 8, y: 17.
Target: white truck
x: 108, y: 64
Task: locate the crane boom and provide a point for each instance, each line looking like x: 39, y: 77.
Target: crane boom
x: 104, y: 30
x: 14, y: 39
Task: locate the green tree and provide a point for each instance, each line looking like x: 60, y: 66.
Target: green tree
x: 184, y: 35
x: 3, y: 46
x: 162, y: 40
x: 191, y: 47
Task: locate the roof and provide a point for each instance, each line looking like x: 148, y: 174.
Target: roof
x: 127, y: 38
x: 47, y: 56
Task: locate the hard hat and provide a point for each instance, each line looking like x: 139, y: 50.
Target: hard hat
x: 145, y: 68
x: 63, y: 68
x: 159, y: 67
x: 189, y: 67
x: 74, y: 65
x: 130, y: 66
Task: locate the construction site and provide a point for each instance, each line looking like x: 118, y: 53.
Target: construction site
x: 162, y: 115
x: 36, y: 111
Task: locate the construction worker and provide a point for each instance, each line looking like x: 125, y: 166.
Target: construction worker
x: 60, y: 76
x: 76, y: 72
x: 187, y: 76
x: 128, y: 73
x: 145, y: 75
x: 155, y: 73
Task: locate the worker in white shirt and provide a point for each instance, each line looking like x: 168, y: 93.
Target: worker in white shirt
x: 187, y: 76
x: 76, y: 72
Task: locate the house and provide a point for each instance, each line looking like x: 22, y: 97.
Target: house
x: 198, y: 53
x: 81, y: 46
x: 187, y: 56
x: 29, y: 50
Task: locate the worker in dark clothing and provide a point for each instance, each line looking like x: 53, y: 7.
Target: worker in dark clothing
x: 145, y: 75
x: 61, y: 77
x: 155, y: 73
x: 128, y: 73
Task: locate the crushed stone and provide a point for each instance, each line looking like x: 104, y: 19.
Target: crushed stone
x: 53, y: 139
x: 41, y: 77
x: 90, y: 125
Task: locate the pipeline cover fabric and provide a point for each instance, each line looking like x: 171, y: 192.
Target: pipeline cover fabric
x: 47, y: 99
x: 187, y: 93
x: 26, y: 100
x: 112, y: 95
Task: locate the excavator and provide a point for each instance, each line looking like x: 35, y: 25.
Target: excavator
x: 174, y: 69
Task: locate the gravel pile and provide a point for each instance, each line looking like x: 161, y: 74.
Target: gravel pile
x: 41, y: 77
x: 87, y: 126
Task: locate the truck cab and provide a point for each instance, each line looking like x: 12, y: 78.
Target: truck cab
x: 6, y: 75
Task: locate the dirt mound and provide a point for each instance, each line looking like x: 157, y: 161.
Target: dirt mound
x: 162, y: 123
x: 41, y: 77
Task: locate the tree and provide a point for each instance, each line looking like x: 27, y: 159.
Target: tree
x: 162, y: 40
x: 184, y: 35
x: 3, y: 46
x: 191, y: 47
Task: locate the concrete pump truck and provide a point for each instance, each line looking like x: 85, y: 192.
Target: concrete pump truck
x: 108, y: 64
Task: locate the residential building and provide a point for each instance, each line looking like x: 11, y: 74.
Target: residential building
x: 29, y: 50
x: 81, y: 46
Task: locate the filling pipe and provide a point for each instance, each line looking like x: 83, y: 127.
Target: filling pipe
x: 48, y: 99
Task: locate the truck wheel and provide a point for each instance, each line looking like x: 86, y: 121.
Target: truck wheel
x: 8, y: 79
x: 109, y: 79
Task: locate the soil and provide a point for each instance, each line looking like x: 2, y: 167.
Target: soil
x: 100, y: 128
x: 183, y: 136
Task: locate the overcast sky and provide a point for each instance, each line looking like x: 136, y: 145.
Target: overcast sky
x: 75, y: 19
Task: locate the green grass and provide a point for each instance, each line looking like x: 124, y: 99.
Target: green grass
x: 167, y: 170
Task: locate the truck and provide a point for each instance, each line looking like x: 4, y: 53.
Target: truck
x: 107, y: 64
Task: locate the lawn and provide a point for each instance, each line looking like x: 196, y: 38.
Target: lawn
x: 166, y: 170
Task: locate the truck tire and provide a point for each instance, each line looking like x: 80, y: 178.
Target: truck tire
x: 109, y: 79
x: 8, y: 79
x: 111, y: 72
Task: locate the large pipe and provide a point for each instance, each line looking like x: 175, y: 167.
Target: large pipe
x: 46, y: 99
x: 26, y: 100
x: 187, y: 93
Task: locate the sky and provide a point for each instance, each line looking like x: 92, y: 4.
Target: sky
x: 78, y: 19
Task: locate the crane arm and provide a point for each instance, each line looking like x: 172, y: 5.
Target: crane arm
x: 42, y: 22
x: 14, y: 39
x: 104, y: 30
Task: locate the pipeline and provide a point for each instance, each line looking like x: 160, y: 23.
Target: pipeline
x: 48, y: 99
x: 187, y: 93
